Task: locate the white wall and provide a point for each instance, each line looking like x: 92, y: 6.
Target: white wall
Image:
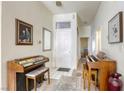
x: 85, y: 32
x: 115, y: 51
x: 34, y: 13
x: 0, y: 41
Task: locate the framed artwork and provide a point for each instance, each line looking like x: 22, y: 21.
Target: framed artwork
x: 24, y: 33
x: 47, y: 40
x: 115, y: 28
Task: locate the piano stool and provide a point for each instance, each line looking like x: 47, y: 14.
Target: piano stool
x: 35, y: 74
x: 88, y: 76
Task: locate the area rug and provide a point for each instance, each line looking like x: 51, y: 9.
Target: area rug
x: 67, y: 83
x: 57, y: 74
x: 64, y: 69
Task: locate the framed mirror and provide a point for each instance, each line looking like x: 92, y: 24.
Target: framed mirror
x: 47, y: 40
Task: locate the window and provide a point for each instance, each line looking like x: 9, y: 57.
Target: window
x: 62, y: 25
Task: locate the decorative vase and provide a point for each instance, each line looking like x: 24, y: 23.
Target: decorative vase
x: 115, y: 83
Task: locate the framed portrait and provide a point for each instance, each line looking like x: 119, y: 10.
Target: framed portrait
x: 24, y: 33
x: 47, y: 39
x: 115, y: 29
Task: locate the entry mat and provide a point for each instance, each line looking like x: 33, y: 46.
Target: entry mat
x: 63, y: 69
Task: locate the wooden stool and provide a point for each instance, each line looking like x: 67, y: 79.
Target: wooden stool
x: 94, y: 73
x: 36, y: 73
x: 87, y: 75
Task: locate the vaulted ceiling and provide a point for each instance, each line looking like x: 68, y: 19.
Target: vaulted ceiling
x: 86, y: 10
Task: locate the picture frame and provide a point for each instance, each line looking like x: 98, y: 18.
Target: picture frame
x: 24, y: 33
x: 47, y: 39
x: 115, y: 29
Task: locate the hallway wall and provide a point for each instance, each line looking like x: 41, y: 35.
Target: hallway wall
x: 115, y: 51
x: 85, y: 32
x: 0, y: 39
x: 34, y: 13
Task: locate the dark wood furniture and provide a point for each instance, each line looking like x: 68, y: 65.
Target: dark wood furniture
x: 19, y: 67
x: 105, y: 68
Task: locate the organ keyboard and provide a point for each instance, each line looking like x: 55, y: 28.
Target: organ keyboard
x: 19, y: 67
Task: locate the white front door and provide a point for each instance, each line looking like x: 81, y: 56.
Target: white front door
x: 63, y: 45
x: 65, y: 41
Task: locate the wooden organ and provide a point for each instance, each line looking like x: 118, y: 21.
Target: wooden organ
x: 19, y: 67
x: 105, y: 68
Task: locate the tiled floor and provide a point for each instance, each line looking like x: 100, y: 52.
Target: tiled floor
x: 55, y: 78
x: 55, y: 74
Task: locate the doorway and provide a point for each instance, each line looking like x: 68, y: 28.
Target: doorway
x: 83, y: 47
x: 65, y: 41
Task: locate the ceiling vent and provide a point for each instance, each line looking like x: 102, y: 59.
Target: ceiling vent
x: 58, y: 3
